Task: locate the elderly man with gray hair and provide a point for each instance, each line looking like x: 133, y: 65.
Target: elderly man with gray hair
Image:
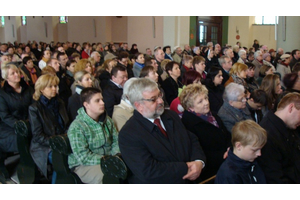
x: 234, y: 107
x: 258, y: 62
x: 154, y: 143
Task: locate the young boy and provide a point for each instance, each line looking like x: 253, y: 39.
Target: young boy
x: 248, y: 138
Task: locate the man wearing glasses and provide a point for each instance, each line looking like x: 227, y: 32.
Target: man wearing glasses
x: 154, y: 143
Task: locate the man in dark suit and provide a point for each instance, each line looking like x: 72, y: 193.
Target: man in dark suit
x: 154, y: 143
x: 280, y: 157
x: 113, y: 91
x: 225, y: 63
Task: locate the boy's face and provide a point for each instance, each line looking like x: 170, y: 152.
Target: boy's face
x: 248, y: 152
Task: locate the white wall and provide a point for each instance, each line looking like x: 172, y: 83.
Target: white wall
x: 292, y: 33
x: 265, y: 34
x: 140, y: 32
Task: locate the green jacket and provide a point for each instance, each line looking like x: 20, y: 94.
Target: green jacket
x: 90, y: 140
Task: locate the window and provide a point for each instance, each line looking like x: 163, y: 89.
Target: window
x: 63, y: 19
x: 2, y: 21
x: 266, y: 20
x: 24, y: 20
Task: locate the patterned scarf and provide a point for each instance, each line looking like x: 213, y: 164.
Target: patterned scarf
x: 33, y: 75
x: 208, y: 118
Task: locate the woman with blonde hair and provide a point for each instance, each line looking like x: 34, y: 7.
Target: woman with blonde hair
x: 15, y: 98
x: 238, y: 74
x: 83, y: 79
x: 47, y: 116
x: 86, y: 65
x: 206, y: 125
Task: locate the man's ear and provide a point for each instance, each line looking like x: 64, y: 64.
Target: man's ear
x: 138, y: 106
x: 230, y: 102
x: 85, y: 104
x: 290, y: 107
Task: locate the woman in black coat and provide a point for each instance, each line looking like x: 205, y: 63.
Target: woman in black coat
x: 15, y: 98
x: 47, y: 117
x: 83, y: 79
x: 207, y: 126
x: 213, y: 83
x: 172, y: 84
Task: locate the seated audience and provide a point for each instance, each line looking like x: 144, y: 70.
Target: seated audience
x: 150, y: 72
x: 70, y: 68
x: 139, y: 64
x: 213, y: 83
x: 271, y: 85
x: 206, y: 125
x: 154, y: 143
x: 241, y: 167
x: 123, y: 58
x: 47, y: 116
x: 92, y: 135
x: 103, y: 72
x: 187, y: 64
x: 123, y: 111
x: 32, y: 72
x: 15, y: 98
x: 283, y: 68
x: 250, y: 80
x: 291, y: 82
x: 280, y: 159
x: 112, y: 93
x: 189, y: 77
x: 238, y: 74
x: 234, y: 107
x: 255, y: 103
x: 45, y: 58
x: 264, y: 70
x: 199, y: 65
x: 172, y: 85
x: 258, y: 62
x: 226, y: 64
x: 82, y: 80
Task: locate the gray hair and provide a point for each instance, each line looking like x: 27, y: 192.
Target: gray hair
x: 94, y: 53
x: 126, y: 87
x: 257, y: 53
x: 4, y: 70
x: 222, y: 59
x: 241, y: 52
x: 137, y: 87
x: 233, y: 91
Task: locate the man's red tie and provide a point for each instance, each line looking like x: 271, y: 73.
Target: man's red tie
x: 157, y: 122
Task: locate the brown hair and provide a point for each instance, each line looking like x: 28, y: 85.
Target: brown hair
x: 248, y: 132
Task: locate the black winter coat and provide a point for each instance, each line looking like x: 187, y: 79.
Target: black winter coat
x: 13, y: 107
x: 237, y: 171
x: 280, y: 157
x: 44, y: 125
x: 213, y: 140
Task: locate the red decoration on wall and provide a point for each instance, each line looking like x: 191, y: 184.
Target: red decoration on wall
x: 192, y: 36
x: 237, y: 37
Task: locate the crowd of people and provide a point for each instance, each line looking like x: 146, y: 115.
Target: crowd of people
x: 180, y: 116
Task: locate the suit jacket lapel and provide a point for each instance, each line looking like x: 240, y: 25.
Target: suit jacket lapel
x: 150, y: 127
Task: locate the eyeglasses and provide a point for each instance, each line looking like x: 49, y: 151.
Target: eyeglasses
x: 154, y: 99
x: 243, y: 100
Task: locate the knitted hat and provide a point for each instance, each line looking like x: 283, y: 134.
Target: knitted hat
x: 265, y: 55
